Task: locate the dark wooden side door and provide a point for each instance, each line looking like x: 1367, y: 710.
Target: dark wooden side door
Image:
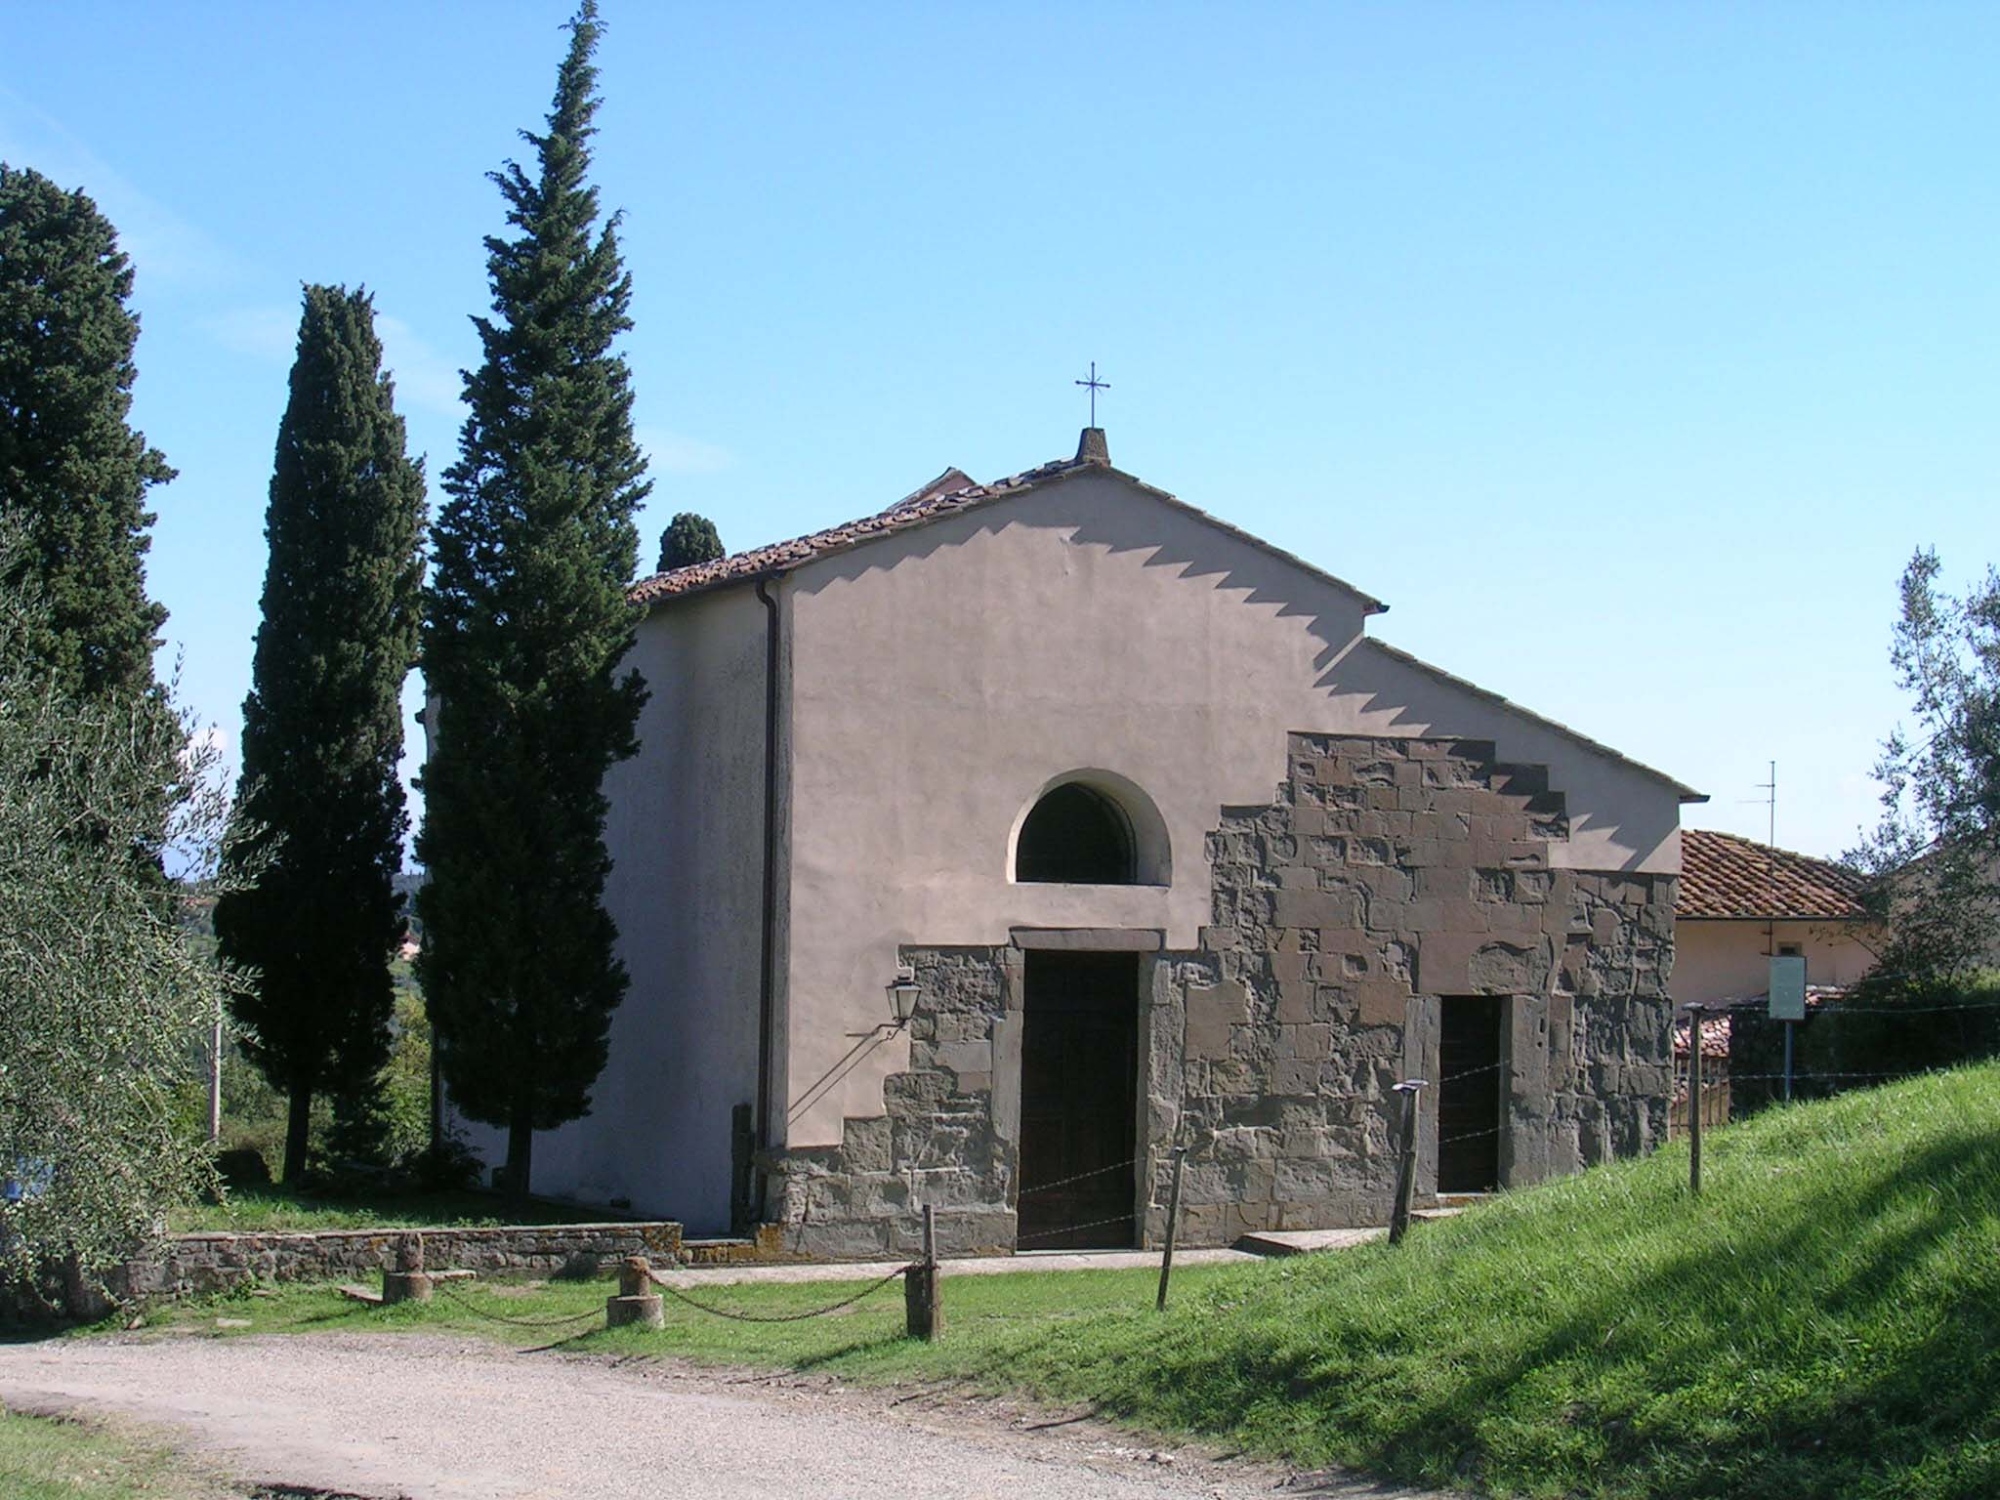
x: 1469, y: 1093
x: 1079, y: 1100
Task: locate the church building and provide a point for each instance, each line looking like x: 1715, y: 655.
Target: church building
x: 981, y: 852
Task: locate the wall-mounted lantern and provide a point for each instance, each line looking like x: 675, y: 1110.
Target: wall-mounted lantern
x: 903, y: 996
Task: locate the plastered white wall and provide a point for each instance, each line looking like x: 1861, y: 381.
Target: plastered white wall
x: 1732, y: 960
x: 685, y: 837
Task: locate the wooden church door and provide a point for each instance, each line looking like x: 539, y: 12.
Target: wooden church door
x: 1079, y: 1100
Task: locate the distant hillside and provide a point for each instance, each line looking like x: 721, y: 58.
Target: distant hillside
x: 1823, y: 1322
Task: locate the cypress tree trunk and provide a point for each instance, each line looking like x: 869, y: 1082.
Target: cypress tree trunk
x: 520, y: 1155
x: 298, y: 1131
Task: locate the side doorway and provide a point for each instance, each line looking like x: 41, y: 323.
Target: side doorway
x: 1079, y: 1101
x: 1471, y: 1093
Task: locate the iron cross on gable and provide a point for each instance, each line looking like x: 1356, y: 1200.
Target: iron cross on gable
x: 1095, y: 386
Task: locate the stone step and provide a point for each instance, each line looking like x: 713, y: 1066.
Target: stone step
x: 764, y: 1246
x: 1277, y: 1242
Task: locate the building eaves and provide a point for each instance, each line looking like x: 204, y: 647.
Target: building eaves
x: 936, y: 501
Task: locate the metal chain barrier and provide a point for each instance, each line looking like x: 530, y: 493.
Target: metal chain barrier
x: 741, y: 1317
x: 1470, y: 1135
x: 1049, y: 1187
x: 477, y: 1311
x: 1470, y: 1072
x: 1049, y: 1234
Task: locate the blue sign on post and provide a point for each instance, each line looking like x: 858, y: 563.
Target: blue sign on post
x: 1787, y: 994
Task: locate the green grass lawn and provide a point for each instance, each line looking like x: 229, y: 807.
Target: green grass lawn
x: 43, y: 1459
x: 1823, y: 1322
x: 274, y: 1208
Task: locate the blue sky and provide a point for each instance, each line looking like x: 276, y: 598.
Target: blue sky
x: 1627, y: 351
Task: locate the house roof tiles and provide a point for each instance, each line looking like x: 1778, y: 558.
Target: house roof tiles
x: 1726, y: 877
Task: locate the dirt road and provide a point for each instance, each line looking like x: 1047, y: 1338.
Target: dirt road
x: 450, y: 1419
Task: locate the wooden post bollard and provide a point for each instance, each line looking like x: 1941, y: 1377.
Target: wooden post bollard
x: 923, y: 1310
x: 1406, y: 1167
x: 408, y: 1282
x: 1694, y: 1098
x: 636, y: 1301
x: 1173, y: 1219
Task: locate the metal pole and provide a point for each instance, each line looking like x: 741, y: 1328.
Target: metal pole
x: 1788, y: 1060
x: 1173, y: 1216
x: 1694, y: 1098
x: 1406, y: 1168
x: 215, y: 1079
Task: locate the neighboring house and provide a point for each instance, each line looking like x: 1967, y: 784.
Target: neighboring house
x: 1742, y: 902
x: 1155, y: 844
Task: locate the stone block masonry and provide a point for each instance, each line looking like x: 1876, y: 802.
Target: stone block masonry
x: 948, y: 1136
x: 1386, y: 875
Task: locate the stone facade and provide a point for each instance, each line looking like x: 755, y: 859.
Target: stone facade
x: 1388, y: 873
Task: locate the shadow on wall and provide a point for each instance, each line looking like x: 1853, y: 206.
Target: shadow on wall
x: 1195, y: 545
x: 1372, y: 688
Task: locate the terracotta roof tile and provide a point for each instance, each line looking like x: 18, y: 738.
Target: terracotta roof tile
x: 936, y: 500
x: 1727, y: 877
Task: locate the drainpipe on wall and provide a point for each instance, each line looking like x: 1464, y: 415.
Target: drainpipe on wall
x: 767, y: 987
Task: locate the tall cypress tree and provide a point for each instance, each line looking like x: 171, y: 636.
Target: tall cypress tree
x: 526, y: 621
x: 73, y: 474
x: 322, y: 728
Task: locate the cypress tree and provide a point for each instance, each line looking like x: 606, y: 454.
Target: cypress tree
x: 319, y: 800
x: 73, y: 474
x: 688, y: 539
x: 526, y: 621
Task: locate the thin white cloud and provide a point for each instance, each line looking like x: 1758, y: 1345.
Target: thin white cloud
x: 423, y: 376
x: 671, y: 453
x: 160, y: 242
x: 266, y: 333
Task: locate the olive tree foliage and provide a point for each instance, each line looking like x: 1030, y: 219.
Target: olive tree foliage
x: 105, y: 998
x: 1937, y: 847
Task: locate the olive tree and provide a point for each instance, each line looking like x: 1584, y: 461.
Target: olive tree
x: 106, y: 999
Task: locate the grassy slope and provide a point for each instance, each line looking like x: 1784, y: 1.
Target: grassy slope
x: 1824, y: 1321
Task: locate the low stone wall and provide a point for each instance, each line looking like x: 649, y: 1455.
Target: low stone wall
x: 196, y: 1264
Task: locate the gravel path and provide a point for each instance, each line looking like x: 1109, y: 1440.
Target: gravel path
x: 429, y: 1418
